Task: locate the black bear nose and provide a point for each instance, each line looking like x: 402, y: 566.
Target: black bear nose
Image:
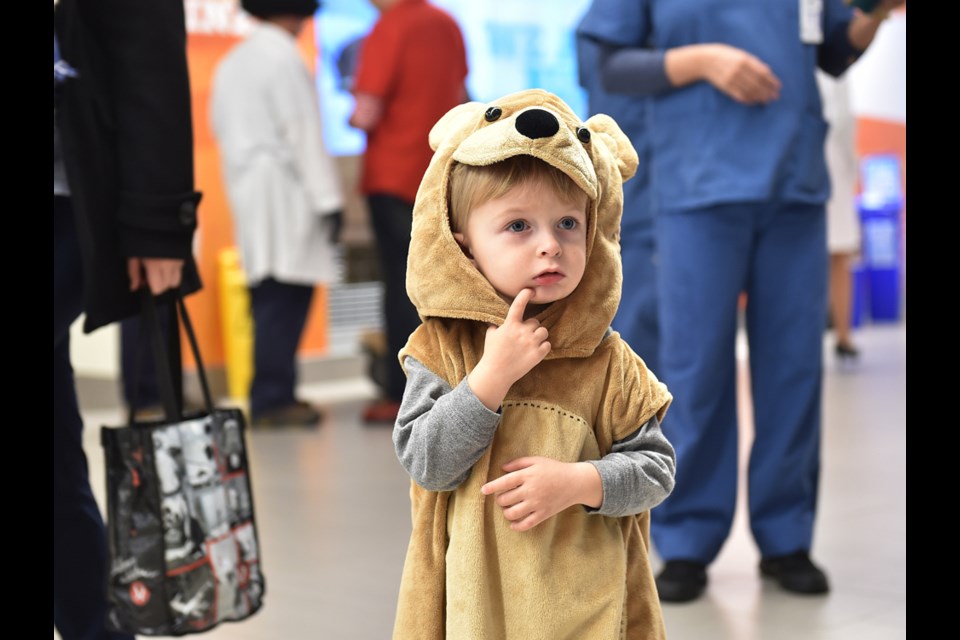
x: 537, y: 123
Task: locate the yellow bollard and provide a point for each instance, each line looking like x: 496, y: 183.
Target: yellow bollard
x: 237, y: 325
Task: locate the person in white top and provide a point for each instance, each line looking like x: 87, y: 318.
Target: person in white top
x: 843, y: 221
x: 284, y: 193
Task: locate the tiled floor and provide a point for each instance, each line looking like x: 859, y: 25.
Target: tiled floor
x: 333, y: 516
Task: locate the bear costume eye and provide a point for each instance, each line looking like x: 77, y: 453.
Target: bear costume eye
x: 492, y: 114
x: 583, y: 134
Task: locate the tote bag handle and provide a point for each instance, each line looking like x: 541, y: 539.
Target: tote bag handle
x: 167, y: 354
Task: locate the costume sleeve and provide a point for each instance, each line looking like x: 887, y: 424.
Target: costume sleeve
x: 440, y: 432
x: 294, y: 101
x: 638, y: 473
x: 145, y: 48
x: 836, y: 54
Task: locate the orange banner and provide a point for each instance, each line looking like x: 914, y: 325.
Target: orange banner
x: 213, y: 28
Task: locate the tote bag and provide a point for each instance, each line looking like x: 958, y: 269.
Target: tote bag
x: 183, y: 547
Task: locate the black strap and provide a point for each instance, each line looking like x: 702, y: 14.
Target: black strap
x: 195, y: 348
x: 167, y: 355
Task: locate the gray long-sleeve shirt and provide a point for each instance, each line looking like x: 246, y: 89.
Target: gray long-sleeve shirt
x: 441, y: 432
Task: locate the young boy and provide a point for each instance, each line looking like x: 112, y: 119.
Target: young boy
x: 530, y: 429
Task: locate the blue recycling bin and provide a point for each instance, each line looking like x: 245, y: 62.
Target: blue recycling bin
x: 880, y: 224
x: 880, y: 206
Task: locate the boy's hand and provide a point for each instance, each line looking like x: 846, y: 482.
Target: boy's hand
x: 509, y: 352
x: 536, y: 488
x: 517, y: 345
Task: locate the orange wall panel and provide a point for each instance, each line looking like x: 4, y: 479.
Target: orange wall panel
x: 215, y: 231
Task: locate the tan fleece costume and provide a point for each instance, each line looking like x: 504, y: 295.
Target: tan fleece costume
x: 583, y: 576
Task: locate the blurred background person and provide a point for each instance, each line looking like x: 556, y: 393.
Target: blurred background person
x: 138, y: 375
x: 139, y: 389
x: 124, y: 215
x: 411, y: 70
x: 636, y: 318
x: 739, y: 186
x: 284, y: 193
x: 843, y: 219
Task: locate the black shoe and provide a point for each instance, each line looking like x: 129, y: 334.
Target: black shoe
x: 681, y: 580
x: 298, y: 414
x: 847, y: 352
x: 795, y: 572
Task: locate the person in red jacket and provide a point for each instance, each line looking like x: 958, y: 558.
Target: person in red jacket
x: 411, y: 70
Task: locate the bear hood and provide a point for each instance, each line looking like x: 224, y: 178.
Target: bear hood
x: 596, y: 155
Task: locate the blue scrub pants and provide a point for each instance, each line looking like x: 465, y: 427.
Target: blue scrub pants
x: 777, y: 254
x: 79, y: 537
x: 280, y: 313
x: 636, y: 318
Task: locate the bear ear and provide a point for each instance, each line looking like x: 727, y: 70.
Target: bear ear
x: 453, y: 121
x: 616, y: 142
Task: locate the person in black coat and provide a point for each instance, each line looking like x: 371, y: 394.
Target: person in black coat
x: 125, y: 212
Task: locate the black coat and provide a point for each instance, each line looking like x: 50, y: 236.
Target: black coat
x: 127, y: 139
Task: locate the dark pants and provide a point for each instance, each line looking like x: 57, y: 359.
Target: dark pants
x: 392, y: 219
x: 79, y: 538
x: 137, y: 368
x: 279, y: 315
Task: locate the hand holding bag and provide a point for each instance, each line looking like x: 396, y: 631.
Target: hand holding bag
x: 184, y: 550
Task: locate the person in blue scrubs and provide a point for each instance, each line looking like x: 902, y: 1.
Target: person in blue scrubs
x: 738, y: 184
x: 636, y: 318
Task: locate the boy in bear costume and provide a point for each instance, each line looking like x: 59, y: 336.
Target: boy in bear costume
x: 531, y: 431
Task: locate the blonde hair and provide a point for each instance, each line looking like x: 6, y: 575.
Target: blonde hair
x: 470, y: 186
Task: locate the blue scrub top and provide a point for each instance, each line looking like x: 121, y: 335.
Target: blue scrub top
x: 708, y: 149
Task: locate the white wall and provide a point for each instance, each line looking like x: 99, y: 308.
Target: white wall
x: 878, y: 80
x: 97, y: 354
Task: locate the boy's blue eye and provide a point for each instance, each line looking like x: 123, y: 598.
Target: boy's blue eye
x: 569, y: 224
x: 517, y: 225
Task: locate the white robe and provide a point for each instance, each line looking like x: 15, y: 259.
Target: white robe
x: 280, y: 179
x: 840, y: 148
